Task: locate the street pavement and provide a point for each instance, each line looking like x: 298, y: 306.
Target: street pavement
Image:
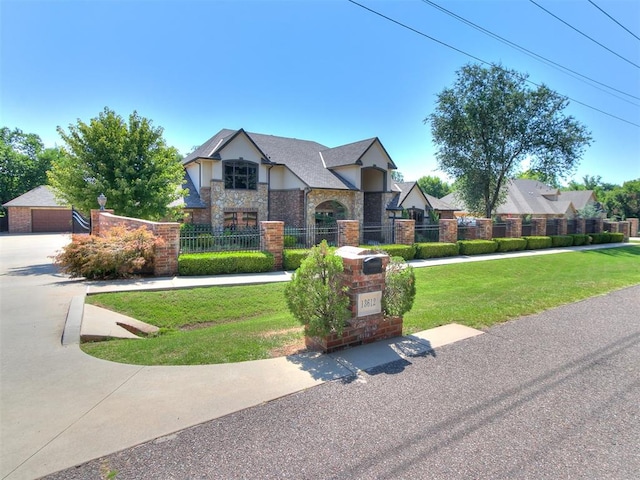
x: 60, y: 407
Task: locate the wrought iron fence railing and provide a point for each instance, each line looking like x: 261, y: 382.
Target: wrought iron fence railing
x: 307, y: 237
x: 499, y: 230
x: 467, y: 232
x: 371, y: 234
x: 203, y: 238
x: 427, y: 233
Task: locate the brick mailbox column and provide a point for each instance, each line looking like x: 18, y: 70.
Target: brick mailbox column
x: 538, y: 227
x: 448, y: 231
x: 364, y: 277
x: 484, y: 229
x: 514, y: 228
x: 348, y: 233
x: 272, y: 240
x: 405, y: 232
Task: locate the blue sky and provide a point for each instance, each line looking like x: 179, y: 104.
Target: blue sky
x: 328, y: 71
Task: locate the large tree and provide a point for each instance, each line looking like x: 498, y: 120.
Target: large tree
x: 24, y: 162
x: 434, y: 186
x: 489, y: 122
x: 129, y: 162
x: 623, y: 202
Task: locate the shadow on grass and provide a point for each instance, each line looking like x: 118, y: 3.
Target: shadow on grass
x: 624, y: 251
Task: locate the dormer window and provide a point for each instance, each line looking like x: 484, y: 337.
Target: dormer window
x: 240, y: 175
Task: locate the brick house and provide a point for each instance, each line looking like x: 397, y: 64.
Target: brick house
x: 237, y: 178
x: 38, y: 210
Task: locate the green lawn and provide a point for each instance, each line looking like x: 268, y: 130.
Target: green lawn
x: 231, y: 324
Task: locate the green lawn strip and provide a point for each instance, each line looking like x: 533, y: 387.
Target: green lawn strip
x: 247, y: 322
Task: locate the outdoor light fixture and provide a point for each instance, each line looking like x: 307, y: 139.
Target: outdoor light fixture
x: 102, y: 201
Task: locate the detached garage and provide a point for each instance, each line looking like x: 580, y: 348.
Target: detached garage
x: 38, y: 211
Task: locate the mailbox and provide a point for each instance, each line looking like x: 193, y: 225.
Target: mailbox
x: 372, y: 265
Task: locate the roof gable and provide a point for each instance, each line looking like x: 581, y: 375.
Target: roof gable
x: 41, y: 196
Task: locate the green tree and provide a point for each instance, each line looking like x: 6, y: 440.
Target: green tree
x: 489, y: 122
x: 397, y: 176
x: 24, y: 162
x: 594, y: 183
x: 624, y: 202
x: 434, y: 186
x: 129, y: 162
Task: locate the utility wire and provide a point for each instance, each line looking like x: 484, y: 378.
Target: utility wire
x: 479, y: 59
x: 584, y: 34
x: 592, y: 3
x: 533, y: 54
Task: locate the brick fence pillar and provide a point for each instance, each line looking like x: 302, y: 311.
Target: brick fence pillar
x: 561, y: 226
x: 484, y: 229
x: 166, y: 259
x: 448, y: 231
x: 514, y: 228
x: 95, y: 220
x: 625, y: 228
x: 405, y: 232
x: 598, y: 225
x: 581, y: 226
x: 612, y: 227
x: 272, y: 240
x: 538, y: 227
x: 348, y: 233
x: 634, y: 225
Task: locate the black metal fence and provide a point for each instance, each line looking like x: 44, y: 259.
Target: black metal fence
x: 571, y: 227
x: 203, y: 238
x: 377, y: 234
x: 499, y: 230
x: 427, y: 233
x: 307, y: 237
x: 552, y: 226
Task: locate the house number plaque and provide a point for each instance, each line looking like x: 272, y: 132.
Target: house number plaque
x: 369, y: 303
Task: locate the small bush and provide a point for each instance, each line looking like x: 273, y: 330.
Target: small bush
x: 510, y: 244
x: 598, y: 238
x: 221, y: 263
x: 561, y: 240
x: 536, y: 243
x: 580, y: 239
x: 290, y: 241
x: 291, y: 259
x: 120, y: 253
x: 400, y: 288
x: 616, y: 237
x: 436, y: 250
x: 477, y: 247
x: 407, y: 252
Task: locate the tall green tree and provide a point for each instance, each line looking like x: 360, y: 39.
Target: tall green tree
x: 24, y: 162
x: 489, y: 121
x: 129, y: 162
x: 623, y: 202
x: 434, y: 186
x: 594, y: 183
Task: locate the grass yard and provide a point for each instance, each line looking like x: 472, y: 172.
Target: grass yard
x: 232, y: 324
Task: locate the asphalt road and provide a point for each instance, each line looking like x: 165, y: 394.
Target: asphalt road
x: 554, y: 395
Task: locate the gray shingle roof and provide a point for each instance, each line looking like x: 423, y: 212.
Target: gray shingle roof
x: 303, y: 157
x: 41, y: 196
x: 192, y: 199
x: 405, y: 188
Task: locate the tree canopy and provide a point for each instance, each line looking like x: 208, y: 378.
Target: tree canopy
x: 127, y: 161
x: 434, y: 186
x: 489, y: 122
x: 24, y: 162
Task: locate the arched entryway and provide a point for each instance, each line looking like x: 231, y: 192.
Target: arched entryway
x: 329, y: 211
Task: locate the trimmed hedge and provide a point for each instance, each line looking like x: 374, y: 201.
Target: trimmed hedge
x: 597, y: 238
x: 616, y: 237
x: 535, y: 243
x: 291, y: 259
x: 408, y: 252
x: 477, y: 247
x: 436, y: 250
x: 192, y: 264
x: 561, y: 240
x: 510, y: 244
x: 580, y: 239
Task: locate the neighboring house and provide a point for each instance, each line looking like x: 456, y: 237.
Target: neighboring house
x: 38, y: 211
x: 236, y: 179
x: 535, y: 199
x: 417, y: 204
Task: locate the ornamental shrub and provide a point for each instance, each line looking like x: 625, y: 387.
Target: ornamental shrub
x: 221, y: 263
x: 535, y: 243
x: 119, y: 253
x: 314, y: 295
x: 510, y: 244
x: 407, y: 252
x: 291, y: 259
x: 616, y: 237
x: 580, y: 239
x: 561, y: 240
x: 598, y: 238
x: 477, y: 247
x: 436, y: 250
x: 400, y: 288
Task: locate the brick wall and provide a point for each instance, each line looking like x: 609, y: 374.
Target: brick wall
x: 272, y: 240
x: 348, y: 233
x: 514, y: 228
x: 634, y: 224
x: 538, y: 227
x: 484, y: 228
x: 19, y: 219
x: 405, y: 231
x: 448, y: 231
x: 287, y: 206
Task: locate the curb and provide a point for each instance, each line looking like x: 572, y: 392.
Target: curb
x: 73, y: 323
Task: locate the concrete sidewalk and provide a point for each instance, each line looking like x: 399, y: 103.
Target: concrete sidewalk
x: 61, y: 407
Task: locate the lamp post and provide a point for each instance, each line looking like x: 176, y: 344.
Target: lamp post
x: 102, y: 201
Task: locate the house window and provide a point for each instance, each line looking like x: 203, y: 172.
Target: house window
x: 416, y: 214
x: 239, y: 220
x: 240, y: 175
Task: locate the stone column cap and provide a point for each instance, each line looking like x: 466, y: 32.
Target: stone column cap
x: 358, y: 252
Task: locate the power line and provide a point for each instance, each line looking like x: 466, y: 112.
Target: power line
x: 584, y: 34
x: 533, y: 54
x: 479, y: 59
x: 616, y: 21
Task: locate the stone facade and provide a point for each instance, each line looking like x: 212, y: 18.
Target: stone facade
x: 228, y: 200
x: 351, y: 200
